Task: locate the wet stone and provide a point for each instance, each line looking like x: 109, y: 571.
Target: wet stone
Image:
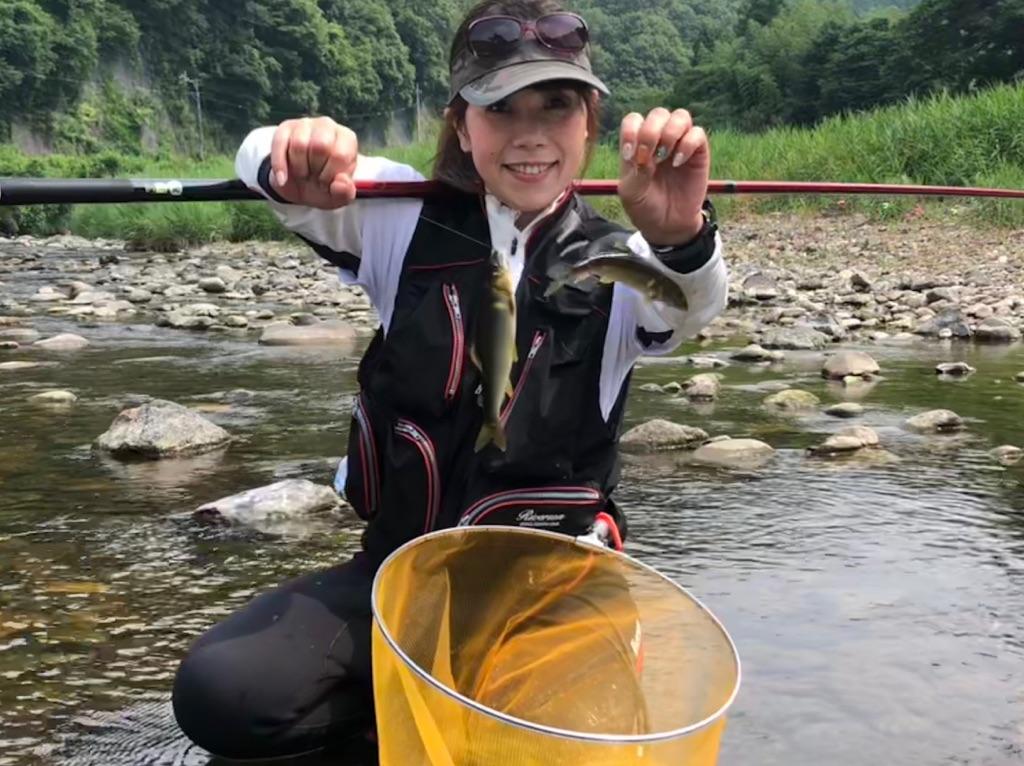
x: 792, y: 400
x: 845, y: 410
x: 936, y: 421
x: 658, y: 434
x: 954, y: 369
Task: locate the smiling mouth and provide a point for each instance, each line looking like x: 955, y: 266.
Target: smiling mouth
x: 530, y: 168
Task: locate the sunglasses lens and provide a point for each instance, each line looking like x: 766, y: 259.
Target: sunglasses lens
x: 563, y: 31
x: 494, y: 37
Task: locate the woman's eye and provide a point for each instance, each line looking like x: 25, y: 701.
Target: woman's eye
x: 498, y: 106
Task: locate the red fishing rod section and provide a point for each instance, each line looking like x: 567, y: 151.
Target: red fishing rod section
x: 41, y: 191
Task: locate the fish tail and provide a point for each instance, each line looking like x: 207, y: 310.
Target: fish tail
x: 491, y: 433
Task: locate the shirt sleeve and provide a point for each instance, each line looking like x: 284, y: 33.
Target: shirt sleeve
x: 639, y: 326
x: 367, y: 240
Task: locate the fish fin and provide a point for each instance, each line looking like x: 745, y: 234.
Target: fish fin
x: 474, y: 358
x: 486, y: 436
x: 499, y: 437
x: 509, y: 390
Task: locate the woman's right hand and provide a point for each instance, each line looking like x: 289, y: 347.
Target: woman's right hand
x: 313, y: 161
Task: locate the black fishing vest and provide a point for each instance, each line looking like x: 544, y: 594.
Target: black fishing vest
x: 411, y: 461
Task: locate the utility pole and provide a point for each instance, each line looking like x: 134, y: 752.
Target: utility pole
x: 186, y: 80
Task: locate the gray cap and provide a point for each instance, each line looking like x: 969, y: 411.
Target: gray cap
x: 483, y: 81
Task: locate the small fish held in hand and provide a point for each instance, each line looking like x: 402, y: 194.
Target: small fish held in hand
x: 645, y: 275
x: 494, y: 350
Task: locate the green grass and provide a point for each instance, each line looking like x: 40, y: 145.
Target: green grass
x: 944, y: 140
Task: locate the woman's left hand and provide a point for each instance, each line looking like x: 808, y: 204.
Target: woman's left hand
x: 665, y: 161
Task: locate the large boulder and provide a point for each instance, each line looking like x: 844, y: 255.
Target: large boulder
x: 792, y: 400
x: 283, y: 499
x: 661, y: 434
x: 936, y: 420
x: 159, y: 429
x: 330, y: 333
x: 794, y: 338
x: 19, y: 334
x: 845, y: 410
x: 734, y: 453
x: 849, y: 363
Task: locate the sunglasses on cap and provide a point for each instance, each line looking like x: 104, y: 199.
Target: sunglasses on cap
x: 497, y: 36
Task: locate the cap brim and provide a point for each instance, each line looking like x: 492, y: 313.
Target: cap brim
x: 502, y: 83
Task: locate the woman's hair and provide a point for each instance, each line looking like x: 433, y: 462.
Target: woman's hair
x: 454, y: 166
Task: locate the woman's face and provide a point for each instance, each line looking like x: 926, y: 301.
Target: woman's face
x: 528, y: 147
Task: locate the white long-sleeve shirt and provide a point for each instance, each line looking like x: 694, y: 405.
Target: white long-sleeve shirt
x: 379, y: 231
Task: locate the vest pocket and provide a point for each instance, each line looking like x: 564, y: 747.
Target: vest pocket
x: 567, y: 509
x: 362, y: 484
x: 413, y: 491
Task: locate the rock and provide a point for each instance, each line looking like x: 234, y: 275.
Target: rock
x: 54, y: 397
x: 868, y: 436
x: 212, y: 285
x: 936, y: 420
x: 19, y: 334
x: 836, y: 444
x: 672, y: 388
x: 64, y: 342
x: 996, y: 330
x: 940, y: 294
x: 847, y: 363
x: 9, y: 345
x: 826, y: 324
x: 1019, y: 377
x: 661, y: 434
x: 734, y: 453
x: 47, y: 295
x: 333, y: 332
x: 651, y: 388
x: 160, y: 428
x: 957, y: 369
x: 236, y: 320
x: 950, y: 319
x: 707, y: 362
x: 1007, y: 454
x: 15, y: 366
x: 183, y: 321
x: 755, y: 353
x: 792, y: 400
x: 703, y: 387
x: 138, y: 295
x: 858, y: 282
x: 760, y: 287
x: 282, y: 499
x: 845, y: 410
x: 794, y: 338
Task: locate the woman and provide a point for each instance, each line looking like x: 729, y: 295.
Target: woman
x: 291, y: 670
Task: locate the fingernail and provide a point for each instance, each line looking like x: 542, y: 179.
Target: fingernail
x: 282, y: 177
x: 627, y: 151
x: 678, y: 160
x: 642, y: 155
x: 661, y: 153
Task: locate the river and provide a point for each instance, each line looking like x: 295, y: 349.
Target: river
x: 877, y: 606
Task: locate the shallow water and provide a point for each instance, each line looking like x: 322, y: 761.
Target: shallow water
x: 876, y: 605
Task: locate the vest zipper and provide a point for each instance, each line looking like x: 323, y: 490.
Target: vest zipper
x: 367, y: 457
x: 451, y: 300
x: 538, y: 496
x: 421, y: 441
x: 538, y: 341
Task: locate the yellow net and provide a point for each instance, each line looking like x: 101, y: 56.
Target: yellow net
x: 499, y: 645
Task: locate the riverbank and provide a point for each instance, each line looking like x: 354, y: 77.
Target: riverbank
x: 844, y: 277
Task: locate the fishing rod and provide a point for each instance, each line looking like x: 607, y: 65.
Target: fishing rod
x: 41, y: 191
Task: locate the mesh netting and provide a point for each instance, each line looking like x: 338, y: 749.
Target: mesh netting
x: 499, y: 645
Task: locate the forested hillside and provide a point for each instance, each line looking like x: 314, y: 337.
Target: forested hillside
x: 80, y: 75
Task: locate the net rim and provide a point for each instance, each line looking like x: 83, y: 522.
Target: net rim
x: 520, y: 723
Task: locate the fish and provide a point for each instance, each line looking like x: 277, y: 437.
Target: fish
x: 493, y: 350
x: 646, y: 275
